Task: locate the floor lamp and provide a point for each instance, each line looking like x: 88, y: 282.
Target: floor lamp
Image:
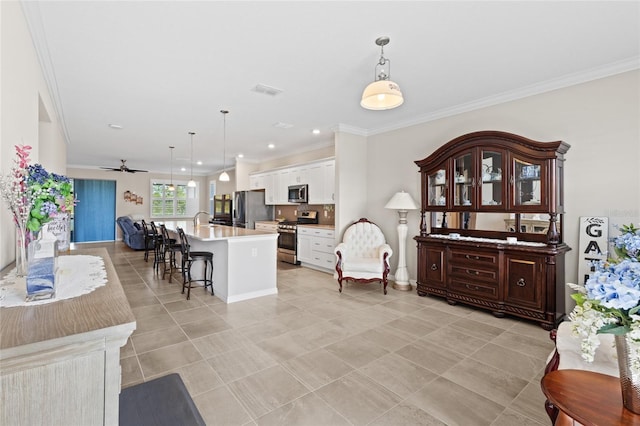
x: 402, y: 202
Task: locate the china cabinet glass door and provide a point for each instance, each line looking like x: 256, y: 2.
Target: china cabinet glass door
x: 464, y: 180
x: 438, y: 188
x: 492, y: 176
x: 528, y: 179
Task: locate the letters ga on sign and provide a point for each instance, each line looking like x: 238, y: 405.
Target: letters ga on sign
x: 594, y: 244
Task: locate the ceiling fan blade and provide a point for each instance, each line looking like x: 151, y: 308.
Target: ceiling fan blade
x: 136, y: 170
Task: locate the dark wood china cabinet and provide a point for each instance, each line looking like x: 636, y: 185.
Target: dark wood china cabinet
x: 491, y: 225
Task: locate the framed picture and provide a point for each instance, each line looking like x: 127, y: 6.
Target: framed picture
x: 134, y: 198
x: 127, y: 195
x: 139, y: 200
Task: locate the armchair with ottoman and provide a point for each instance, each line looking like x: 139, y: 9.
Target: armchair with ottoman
x: 363, y: 255
x: 132, y: 235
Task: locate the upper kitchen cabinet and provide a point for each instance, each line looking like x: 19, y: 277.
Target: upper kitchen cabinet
x: 318, y: 175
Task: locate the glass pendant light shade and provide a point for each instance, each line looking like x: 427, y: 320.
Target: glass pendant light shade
x: 382, y: 93
x: 224, y: 176
x: 191, y: 183
x: 170, y: 187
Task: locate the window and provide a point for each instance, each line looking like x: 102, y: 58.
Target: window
x: 212, y: 194
x: 165, y: 203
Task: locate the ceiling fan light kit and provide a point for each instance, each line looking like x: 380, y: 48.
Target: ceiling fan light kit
x: 382, y: 93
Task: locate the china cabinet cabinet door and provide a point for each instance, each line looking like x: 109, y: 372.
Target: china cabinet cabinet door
x: 528, y: 192
x: 437, y: 187
x: 464, y: 180
x: 492, y: 188
x: 524, y: 285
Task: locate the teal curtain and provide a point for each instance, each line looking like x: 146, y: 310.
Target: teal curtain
x: 95, y: 212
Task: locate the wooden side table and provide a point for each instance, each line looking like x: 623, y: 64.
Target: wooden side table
x: 593, y: 399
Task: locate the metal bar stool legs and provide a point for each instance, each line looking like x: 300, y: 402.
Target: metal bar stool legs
x: 189, y: 258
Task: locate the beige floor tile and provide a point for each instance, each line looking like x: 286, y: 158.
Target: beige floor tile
x: 157, y: 322
x: 511, y: 418
x: 387, y: 337
x: 431, y: 357
x: 512, y: 362
x: 286, y: 346
x: 530, y: 403
x: 495, y: 384
x: 194, y: 314
x: 131, y: 372
x: 168, y: 358
x: 414, y: 326
x: 476, y: 329
x: 205, y: 327
x: 199, y: 377
x: 157, y: 339
x: 267, y: 390
x: 398, y: 374
x: 454, y: 340
x: 356, y: 351
x: 220, y: 407
x: 221, y: 342
x: 239, y: 363
x: 358, y: 398
x: 127, y: 350
x: 455, y: 405
x: 176, y: 302
x: 524, y: 344
x: 322, y: 334
x: 316, y: 369
x: 406, y: 414
x: 308, y: 410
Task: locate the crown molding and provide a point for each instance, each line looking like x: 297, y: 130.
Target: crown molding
x: 346, y: 128
x: 31, y: 12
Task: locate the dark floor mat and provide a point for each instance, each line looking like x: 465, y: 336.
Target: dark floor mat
x: 159, y: 402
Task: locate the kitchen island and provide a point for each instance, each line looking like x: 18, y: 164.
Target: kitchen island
x: 244, y: 260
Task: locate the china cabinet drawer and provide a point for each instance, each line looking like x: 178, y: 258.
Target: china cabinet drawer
x: 474, y: 288
x: 463, y: 258
x: 467, y: 272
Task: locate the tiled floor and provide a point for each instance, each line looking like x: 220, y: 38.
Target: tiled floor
x: 313, y: 356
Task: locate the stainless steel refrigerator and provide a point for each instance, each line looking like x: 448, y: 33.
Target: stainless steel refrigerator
x: 249, y: 206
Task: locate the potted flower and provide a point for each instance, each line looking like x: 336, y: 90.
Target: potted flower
x: 34, y: 197
x: 609, y: 303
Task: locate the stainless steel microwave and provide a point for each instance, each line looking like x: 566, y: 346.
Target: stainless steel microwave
x: 298, y: 193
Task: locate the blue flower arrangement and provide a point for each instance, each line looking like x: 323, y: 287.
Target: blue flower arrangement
x: 610, y: 299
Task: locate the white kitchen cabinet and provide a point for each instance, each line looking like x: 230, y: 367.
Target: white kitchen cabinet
x: 270, y: 188
x: 256, y: 181
x: 315, y: 247
x: 315, y: 180
x: 329, y: 179
x: 281, y: 182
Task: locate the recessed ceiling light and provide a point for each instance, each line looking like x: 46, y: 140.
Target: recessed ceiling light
x: 316, y: 131
x: 199, y: 163
x: 183, y: 169
x: 271, y: 146
x: 240, y: 155
x: 267, y: 90
x: 115, y: 126
x: 281, y: 125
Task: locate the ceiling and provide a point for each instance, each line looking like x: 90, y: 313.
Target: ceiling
x: 162, y: 69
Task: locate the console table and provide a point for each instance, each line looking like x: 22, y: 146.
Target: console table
x: 60, y: 361
x: 587, y: 397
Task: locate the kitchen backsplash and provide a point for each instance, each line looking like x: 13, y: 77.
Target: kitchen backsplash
x: 326, y: 212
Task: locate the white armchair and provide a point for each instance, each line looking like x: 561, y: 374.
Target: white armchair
x: 363, y: 255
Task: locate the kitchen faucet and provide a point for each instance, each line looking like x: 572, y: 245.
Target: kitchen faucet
x: 196, y: 222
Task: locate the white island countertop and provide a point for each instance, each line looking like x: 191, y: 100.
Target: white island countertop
x: 210, y: 232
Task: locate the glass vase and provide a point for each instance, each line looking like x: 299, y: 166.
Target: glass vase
x: 42, y: 260
x: 21, y: 251
x: 629, y: 382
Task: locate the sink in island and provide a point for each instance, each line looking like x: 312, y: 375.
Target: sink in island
x: 244, y: 260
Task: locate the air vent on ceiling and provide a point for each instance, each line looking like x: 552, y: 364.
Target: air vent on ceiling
x: 281, y: 125
x: 266, y: 90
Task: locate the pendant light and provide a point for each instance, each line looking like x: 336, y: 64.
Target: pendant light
x: 171, y: 187
x: 224, y: 176
x: 382, y: 93
x: 191, y: 183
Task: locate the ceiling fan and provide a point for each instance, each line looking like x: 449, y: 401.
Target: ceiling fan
x: 123, y: 168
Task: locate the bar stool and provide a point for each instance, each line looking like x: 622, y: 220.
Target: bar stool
x: 148, y: 240
x: 170, y: 246
x: 188, y: 259
x: 158, y: 249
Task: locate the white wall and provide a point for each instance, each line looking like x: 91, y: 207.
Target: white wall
x: 352, y: 163
x: 599, y: 119
x: 24, y: 102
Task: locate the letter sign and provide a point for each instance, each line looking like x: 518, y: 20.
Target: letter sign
x: 594, y: 244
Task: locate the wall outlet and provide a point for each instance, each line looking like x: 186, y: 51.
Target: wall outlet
x: 279, y: 212
x: 325, y: 213
x: 295, y: 212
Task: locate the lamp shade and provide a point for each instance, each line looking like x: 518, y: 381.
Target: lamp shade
x: 401, y: 201
x: 381, y: 95
x: 224, y: 177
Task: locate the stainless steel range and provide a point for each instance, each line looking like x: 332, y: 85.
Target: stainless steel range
x: 288, y: 236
